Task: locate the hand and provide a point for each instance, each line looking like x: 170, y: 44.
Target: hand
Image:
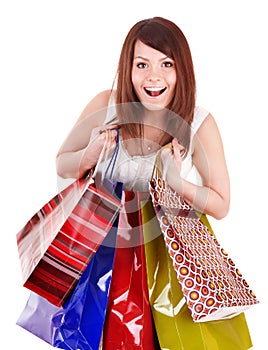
x: 102, y: 143
x: 172, y: 160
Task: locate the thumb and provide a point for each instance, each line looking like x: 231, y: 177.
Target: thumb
x: 178, y: 148
x: 166, y: 157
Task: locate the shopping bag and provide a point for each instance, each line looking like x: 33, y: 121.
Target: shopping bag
x: 212, y: 284
x: 56, y: 245
x: 128, y: 323
x: 79, y: 322
x: 63, y: 261
x: 174, y: 325
x: 35, y: 237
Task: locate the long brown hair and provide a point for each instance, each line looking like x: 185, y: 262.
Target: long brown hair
x: 165, y: 36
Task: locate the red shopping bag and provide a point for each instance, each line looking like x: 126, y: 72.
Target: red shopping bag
x: 56, y: 245
x: 128, y: 323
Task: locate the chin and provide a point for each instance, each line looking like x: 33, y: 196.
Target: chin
x: 153, y: 106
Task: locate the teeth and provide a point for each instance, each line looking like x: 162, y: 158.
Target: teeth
x: 154, y: 88
x: 154, y: 91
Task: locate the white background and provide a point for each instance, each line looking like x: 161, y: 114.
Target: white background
x: 57, y: 54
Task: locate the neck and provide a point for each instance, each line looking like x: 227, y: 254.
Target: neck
x: 155, y: 118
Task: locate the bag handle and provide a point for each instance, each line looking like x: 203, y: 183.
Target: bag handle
x: 104, y: 156
x: 158, y: 165
x: 114, y: 156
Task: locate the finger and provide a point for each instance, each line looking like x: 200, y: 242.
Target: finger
x: 110, y: 135
x: 96, y: 132
x: 177, y: 148
x: 176, y: 145
x: 109, y: 127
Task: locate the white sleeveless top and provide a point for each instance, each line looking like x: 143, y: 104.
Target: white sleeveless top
x: 135, y: 171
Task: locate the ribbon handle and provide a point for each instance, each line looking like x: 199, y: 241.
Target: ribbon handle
x: 105, y: 154
x: 112, y: 161
x: 158, y: 171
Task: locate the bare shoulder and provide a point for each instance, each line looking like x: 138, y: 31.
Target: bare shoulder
x: 208, y: 132
x: 96, y: 108
x: 208, y: 150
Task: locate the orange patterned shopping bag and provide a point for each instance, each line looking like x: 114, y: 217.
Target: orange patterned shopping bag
x: 212, y: 284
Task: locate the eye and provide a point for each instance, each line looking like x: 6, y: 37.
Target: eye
x: 168, y: 64
x: 142, y: 65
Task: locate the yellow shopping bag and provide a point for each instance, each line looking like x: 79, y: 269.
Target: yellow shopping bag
x: 173, y: 322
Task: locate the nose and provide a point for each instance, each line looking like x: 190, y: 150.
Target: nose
x: 154, y: 74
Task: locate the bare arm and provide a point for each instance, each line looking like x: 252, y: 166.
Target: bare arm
x: 213, y: 196
x: 82, y: 147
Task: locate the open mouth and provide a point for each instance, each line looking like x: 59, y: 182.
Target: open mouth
x: 155, y: 91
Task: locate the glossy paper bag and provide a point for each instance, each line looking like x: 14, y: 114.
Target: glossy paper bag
x: 128, y: 323
x: 174, y: 325
x: 58, y: 260
x: 79, y: 323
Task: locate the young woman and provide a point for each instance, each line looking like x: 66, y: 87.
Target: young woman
x: 154, y: 104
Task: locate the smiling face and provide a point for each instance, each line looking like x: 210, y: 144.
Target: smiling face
x: 153, y: 76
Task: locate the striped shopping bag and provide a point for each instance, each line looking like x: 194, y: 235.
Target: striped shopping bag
x: 57, y: 243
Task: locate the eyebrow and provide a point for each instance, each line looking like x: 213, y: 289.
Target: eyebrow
x: 146, y: 59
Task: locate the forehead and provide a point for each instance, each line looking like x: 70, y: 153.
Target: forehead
x: 145, y: 51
